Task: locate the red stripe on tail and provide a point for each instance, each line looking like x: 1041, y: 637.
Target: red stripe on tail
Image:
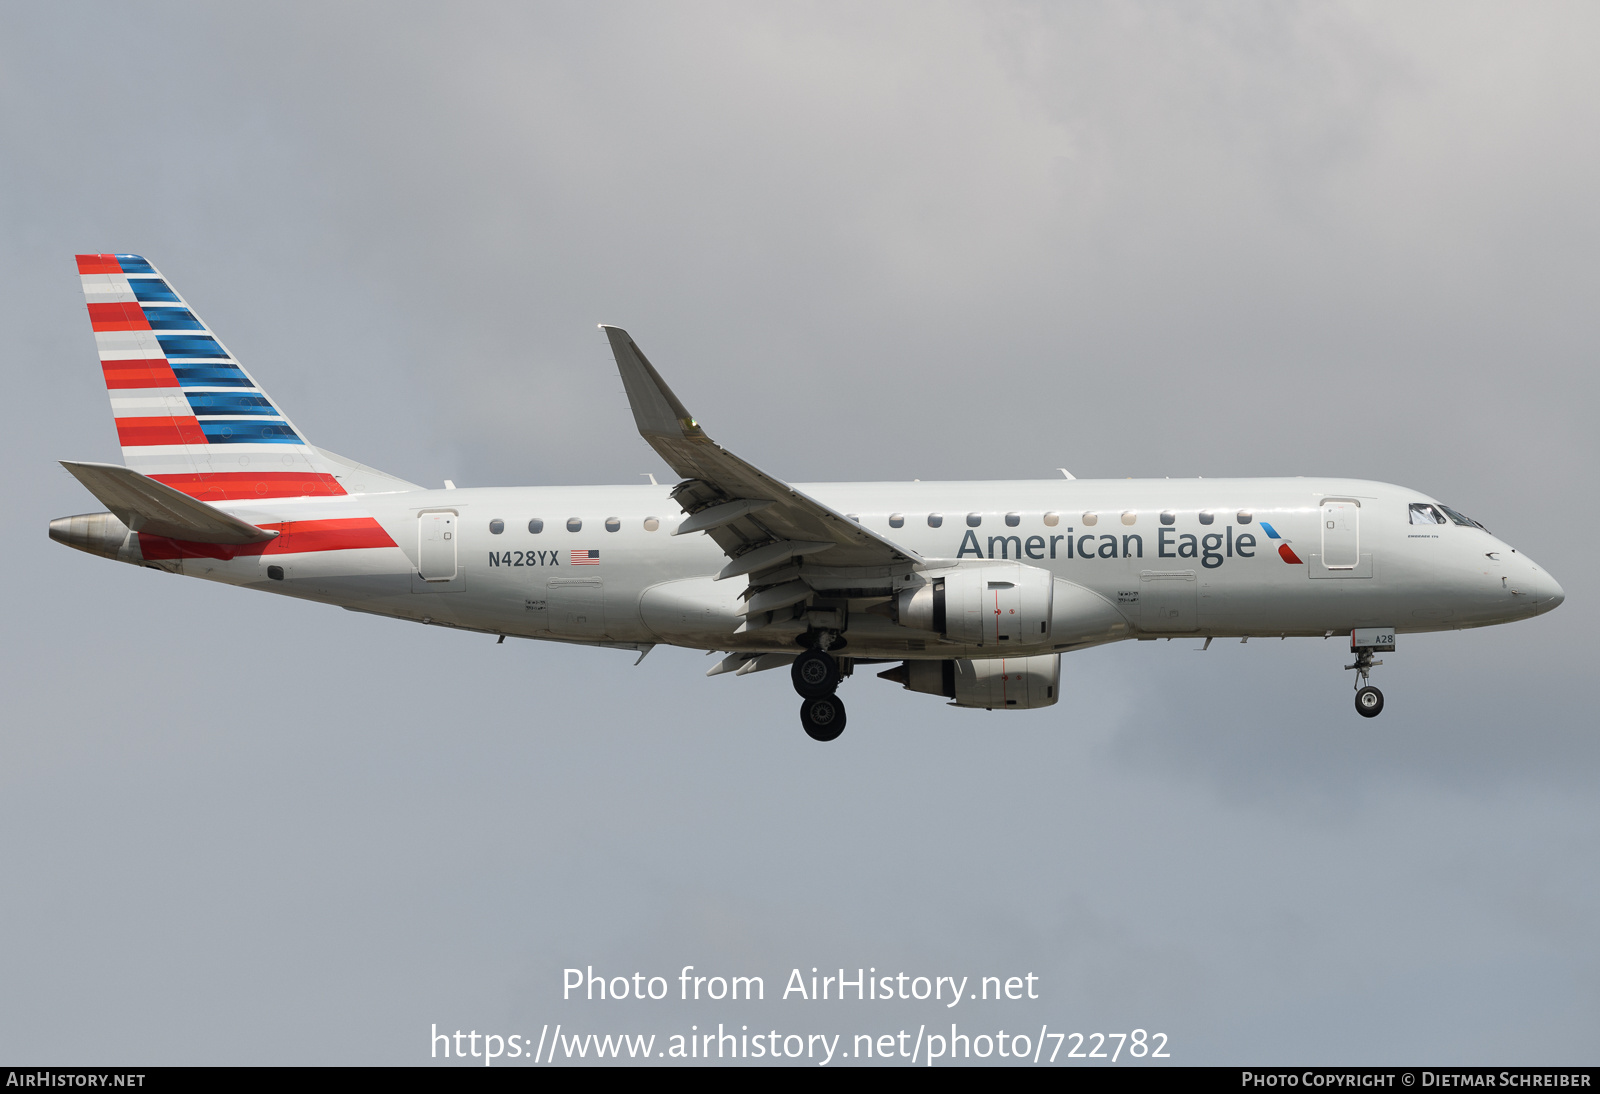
x: 249, y: 485
x: 134, y: 432
x: 98, y: 264
x: 148, y: 372
x: 117, y: 316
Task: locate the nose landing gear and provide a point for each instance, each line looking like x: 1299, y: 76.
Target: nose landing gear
x: 1364, y: 643
x: 815, y: 674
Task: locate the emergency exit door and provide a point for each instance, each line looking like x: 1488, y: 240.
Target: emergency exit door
x: 1341, y: 534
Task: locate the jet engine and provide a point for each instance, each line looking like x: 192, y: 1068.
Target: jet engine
x: 1000, y: 683
x: 1007, y: 606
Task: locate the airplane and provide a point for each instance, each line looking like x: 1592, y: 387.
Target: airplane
x: 970, y: 591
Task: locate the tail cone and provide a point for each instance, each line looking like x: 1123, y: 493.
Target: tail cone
x: 97, y: 533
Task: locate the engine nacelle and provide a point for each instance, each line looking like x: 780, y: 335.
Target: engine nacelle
x: 1005, y: 606
x: 999, y: 683
x: 1009, y: 606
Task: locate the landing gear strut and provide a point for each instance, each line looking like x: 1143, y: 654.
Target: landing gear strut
x: 1369, y: 700
x: 816, y: 677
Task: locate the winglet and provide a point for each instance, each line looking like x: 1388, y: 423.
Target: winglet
x: 656, y: 410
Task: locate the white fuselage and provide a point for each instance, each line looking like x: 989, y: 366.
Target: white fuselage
x: 1359, y: 561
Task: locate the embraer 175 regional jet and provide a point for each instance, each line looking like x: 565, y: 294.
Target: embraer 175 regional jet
x: 973, y: 590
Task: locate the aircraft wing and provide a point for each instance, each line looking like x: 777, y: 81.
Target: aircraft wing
x: 146, y: 505
x: 760, y: 522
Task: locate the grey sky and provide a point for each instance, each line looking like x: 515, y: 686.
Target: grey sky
x: 861, y: 241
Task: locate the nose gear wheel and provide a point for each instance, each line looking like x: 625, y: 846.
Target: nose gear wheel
x: 1369, y: 700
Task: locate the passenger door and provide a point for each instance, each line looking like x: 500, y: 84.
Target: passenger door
x: 1341, y: 533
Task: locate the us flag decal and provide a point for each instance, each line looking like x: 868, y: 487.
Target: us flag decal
x: 585, y: 558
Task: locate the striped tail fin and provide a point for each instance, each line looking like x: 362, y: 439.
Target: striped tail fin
x: 188, y: 414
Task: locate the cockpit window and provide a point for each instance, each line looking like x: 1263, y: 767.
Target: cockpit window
x: 1461, y: 518
x: 1422, y: 513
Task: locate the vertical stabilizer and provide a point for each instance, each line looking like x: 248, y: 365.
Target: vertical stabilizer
x: 188, y: 414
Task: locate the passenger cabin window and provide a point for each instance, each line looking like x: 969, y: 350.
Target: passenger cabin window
x: 1206, y: 516
x: 651, y: 524
x: 613, y: 524
x: 1091, y: 519
x: 1013, y: 519
x: 496, y: 527
x: 1422, y: 513
x: 974, y: 519
x: 1052, y: 519
x: 1246, y: 516
x: 1461, y: 518
x: 897, y: 520
x: 574, y: 524
x: 935, y: 519
x: 1130, y: 516
x: 1169, y: 517
x: 535, y: 526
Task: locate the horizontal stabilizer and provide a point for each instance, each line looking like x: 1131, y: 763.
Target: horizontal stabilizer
x: 145, y: 505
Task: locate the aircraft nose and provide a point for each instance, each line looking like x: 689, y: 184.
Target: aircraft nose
x: 1542, y: 592
x: 1549, y: 591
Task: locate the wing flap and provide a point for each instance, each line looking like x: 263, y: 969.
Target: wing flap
x: 145, y: 505
x: 718, y: 515
x: 777, y: 597
x: 769, y: 555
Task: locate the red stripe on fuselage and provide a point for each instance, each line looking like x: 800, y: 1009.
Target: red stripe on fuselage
x: 134, y: 432
x: 249, y: 485
x: 295, y: 537
x: 147, y: 372
x: 119, y: 316
x: 98, y: 264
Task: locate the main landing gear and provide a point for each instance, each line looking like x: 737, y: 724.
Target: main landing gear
x: 823, y: 717
x: 816, y: 677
